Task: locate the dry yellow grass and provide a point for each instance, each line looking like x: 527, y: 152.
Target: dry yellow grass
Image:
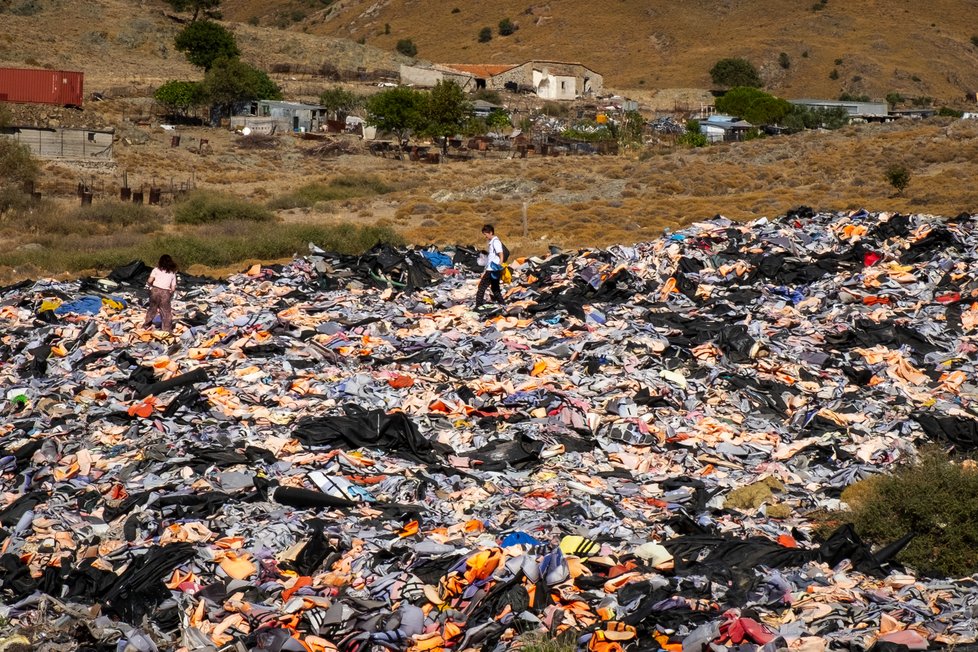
x: 918, y: 49
x: 596, y: 201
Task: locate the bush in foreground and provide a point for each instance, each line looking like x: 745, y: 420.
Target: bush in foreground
x: 935, y: 498
x: 204, y: 207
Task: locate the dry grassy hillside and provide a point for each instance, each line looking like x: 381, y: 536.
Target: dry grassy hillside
x: 914, y: 48
x: 571, y: 201
x: 125, y: 43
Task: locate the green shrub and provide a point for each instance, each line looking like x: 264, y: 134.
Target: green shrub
x: 178, y: 97
x: 17, y: 164
x: 784, y: 60
x: 947, y: 111
x: 407, y: 47
x: 899, y: 176
x: 340, y: 188
x: 203, y: 207
x: 735, y: 72
x: 13, y: 199
x: 935, y: 498
x: 587, y: 130
x: 692, y: 137
x: 834, y: 74
x: 26, y: 8
x: 99, y: 219
x: 485, y: 35
x: 507, y: 27
x: 116, y: 214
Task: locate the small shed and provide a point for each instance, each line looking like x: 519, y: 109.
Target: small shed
x: 271, y: 116
x: 719, y: 128
x: 63, y: 142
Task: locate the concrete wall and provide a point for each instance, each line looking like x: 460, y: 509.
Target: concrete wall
x: 63, y: 143
x: 422, y: 77
x: 260, y: 125
x: 419, y: 76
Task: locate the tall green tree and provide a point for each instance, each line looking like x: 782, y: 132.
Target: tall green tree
x: 735, y: 72
x: 230, y: 82
x: 446, y: 110
x: 399, y: 111
x: 204, y: 42
x: 208, y: 7
x: 179, y: 97
x: 340, y: 102
x: 803, y: 117
x: 754, y: 106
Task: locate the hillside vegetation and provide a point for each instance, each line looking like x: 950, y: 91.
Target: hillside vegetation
x: 875, y: 47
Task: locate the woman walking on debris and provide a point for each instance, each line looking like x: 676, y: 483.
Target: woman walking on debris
x: 494, y: 259
x: 162, y: 284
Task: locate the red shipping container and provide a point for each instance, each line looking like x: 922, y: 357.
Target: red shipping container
x: 34, y: 86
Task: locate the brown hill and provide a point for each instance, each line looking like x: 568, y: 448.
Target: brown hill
x: 876, y: 47
x: 124, y: 45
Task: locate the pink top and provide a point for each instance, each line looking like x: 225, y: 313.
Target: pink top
x: 163, y: 280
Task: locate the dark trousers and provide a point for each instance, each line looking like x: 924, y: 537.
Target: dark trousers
x: 489, y: 280
x: 159, y: 303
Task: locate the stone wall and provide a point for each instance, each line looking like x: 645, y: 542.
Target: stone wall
x: 522, y: 76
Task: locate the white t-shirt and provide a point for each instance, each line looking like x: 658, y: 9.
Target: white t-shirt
x: 494, y: 260
x: 163, y: 280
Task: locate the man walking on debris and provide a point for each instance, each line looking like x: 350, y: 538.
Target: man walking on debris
x: 493, y: 261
